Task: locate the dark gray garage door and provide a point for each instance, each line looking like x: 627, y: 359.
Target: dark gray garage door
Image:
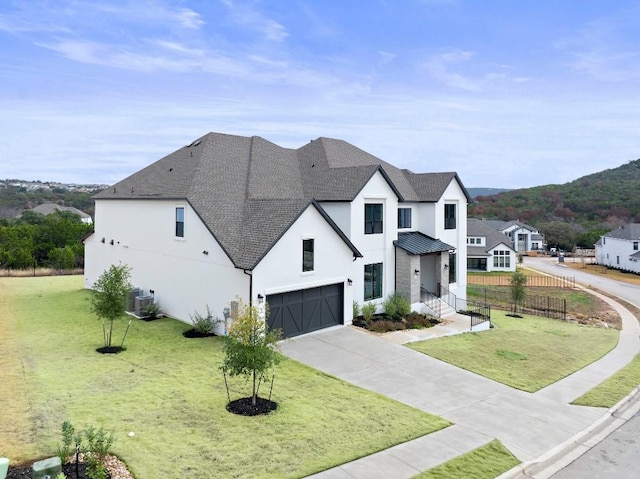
x: 306, y: 310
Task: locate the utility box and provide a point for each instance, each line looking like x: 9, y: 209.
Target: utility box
x: 142, y: 302
x: 47, y: 468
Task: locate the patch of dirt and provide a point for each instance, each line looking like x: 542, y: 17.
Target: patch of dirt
x: 244, y: 406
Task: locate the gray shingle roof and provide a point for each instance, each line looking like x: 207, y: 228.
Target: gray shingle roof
x: 483, y: 228
x: 630, y: 231
x: 414, y: 242
x: 50, y: 208
x: 248, y: 191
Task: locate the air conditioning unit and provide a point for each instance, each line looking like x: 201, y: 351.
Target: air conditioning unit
x: 142, y: 302
x: 131, y: 299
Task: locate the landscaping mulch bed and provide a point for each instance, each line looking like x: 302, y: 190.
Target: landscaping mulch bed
x: 116, y: 469
x: 244, y: 406
x: 381, y: 323
x: 193, y: 333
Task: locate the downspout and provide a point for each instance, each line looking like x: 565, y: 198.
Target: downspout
x: 249, y: 273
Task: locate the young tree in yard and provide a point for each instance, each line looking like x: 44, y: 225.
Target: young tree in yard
x: 109, y: 299
x: 518, y: 292
x: 250, y: 347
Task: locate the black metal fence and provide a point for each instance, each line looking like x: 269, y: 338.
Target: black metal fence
x: 546, y: 306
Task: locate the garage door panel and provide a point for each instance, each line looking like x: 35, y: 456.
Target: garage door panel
x: 303, y: 311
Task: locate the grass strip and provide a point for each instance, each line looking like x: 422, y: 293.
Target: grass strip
x: 485, y: 462
x: 612, y: 390
x: 526, y: 353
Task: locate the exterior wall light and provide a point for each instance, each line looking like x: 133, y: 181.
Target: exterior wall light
x: 349, y: 282
x: 260, y: 298
x: 416, y: 272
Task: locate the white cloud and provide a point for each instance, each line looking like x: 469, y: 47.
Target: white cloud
x: 249, y: 18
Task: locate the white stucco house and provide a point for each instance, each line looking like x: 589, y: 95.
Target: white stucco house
x: 307, y: 231
x: 488, y: 249
x: 620, y: 248
x: 523, y: 237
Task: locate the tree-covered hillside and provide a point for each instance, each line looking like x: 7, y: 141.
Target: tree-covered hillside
x: 15, y: 199
x: 587, y: 206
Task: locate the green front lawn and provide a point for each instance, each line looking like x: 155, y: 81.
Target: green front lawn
x: 169, y: 391
x: 485, y: 462
x: 527, y: 353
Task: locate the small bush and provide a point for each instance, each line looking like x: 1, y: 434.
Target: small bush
x: 97, y: 448
x: 64, y: 450
x: 368, y: 310
x: 151, y: 311
x: 204, y: 324
x: 356, y: 309
x: 397, y: 306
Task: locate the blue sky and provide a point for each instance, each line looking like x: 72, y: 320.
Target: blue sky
x: 509, y: 94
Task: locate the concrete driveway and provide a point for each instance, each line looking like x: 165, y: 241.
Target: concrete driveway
x: 527, y: 424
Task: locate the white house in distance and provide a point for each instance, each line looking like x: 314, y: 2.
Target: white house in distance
x: 620, y: 248
x: 523, y: 237
x: 488, y: 249
x: 308, y: 230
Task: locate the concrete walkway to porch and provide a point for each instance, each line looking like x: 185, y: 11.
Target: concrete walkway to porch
x: 529, y: 425
x: 454, y: 323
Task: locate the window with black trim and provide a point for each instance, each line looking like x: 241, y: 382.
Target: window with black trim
x: 404, y: 218
x: 372, y: 218
x: 449, y: 216
x: 372, y: 281
x: 635, y: 246
x: 452, y: 268
x: 307, y: 254
x: 180, y: 222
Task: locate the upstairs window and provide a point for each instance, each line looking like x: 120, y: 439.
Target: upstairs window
x: 404, y: 218
x: 372, y: 218
x: 449, y: 216
x: 307, y: 255
x: 180, y: 222
x: 635, y: 246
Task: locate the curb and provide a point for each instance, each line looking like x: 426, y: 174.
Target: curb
x: 565, y: 453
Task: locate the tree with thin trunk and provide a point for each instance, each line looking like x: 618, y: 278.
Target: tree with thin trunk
x: 250, y: 347
x: 518, y: 291
x: 109, y: 299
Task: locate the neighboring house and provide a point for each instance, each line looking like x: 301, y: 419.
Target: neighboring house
x: 50, y: 208
x: 309, y: 231
x: 620, y: 248
x: 523, y: 237
x: 488, y: 249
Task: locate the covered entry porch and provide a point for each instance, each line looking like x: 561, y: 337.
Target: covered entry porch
x: 422, y: 263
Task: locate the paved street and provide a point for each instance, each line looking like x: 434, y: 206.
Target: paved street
x: 618, y: 456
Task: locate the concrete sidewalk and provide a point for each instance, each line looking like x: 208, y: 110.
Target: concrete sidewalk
x: 529, y: 425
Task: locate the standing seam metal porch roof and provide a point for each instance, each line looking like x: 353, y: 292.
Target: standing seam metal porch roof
x: 249, y: 191
x: 414, y: 242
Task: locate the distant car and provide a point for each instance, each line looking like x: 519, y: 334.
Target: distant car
x: 554, y: 252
